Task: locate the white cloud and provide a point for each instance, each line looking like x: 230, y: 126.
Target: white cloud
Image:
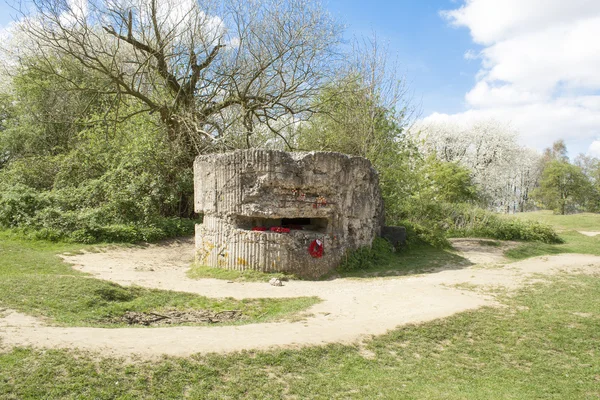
x: 491, y: 21
x: 539, y: 67
x: 484, y: 94
x: 594, y: 149
x: 180, y: 18
x: 539, y: 124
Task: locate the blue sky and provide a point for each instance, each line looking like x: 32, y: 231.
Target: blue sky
x: 429, y: 50
x: 534, y: 64
x: 6, y: 13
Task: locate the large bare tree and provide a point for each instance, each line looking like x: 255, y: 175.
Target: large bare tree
x: 213, y: 71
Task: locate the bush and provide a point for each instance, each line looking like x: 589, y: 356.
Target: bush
x: 433, y: 222
x: 18, y: 204
x: 47, y: 215
x: 127, y: 187
x: 465, y: 220
x: 367, y: 257
x: 510, y: 229
x: 432, y: 234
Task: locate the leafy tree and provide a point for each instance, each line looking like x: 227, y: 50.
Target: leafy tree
x: 447, y: 182
x: 364, y: 112
x: 46, y: 116
x: 591, y: 168
x: 6, y: 114
x: 558, y: 152
x: 211, y: 70
x: 71, y: 172
x: 352, y: 121
x: 563, y: 186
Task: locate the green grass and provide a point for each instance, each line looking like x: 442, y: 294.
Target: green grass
x: 201, y: 272
x: 582, y: 222
x: 34, y: 280
x: 567, y: 225
x: 575, y: 243
x: 491, y: 243
x: 416, y: 258
x: 542, y: 345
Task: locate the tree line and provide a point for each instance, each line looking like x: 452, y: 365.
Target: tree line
x: 512, y: 178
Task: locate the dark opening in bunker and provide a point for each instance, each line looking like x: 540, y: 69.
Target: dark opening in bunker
x: 305, y: 224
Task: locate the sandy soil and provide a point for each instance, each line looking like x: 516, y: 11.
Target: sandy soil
x: 587, y: 233
x: 351, y: 309
x: 482, y: 251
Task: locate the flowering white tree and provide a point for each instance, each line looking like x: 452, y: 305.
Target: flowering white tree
x: 504, y: 171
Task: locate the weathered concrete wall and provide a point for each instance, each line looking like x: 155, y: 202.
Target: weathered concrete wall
x: 336, y: 195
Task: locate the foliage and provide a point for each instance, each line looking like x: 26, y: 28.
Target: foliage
x: 465, y: 220
x: 367, y: 257
x: 86, y: 181
x: 447, y: 182
x: 351, y: 121
x: 492, y: 226
x: 590, y: 166
x: 563, y: 187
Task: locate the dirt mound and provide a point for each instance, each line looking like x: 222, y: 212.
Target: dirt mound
x: 177, y: 317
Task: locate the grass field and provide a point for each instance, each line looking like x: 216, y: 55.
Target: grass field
x: 574, y: 243
x: 542, y: 345
x: 34, y: 280
x: 582, y: 222
x: 568, y: 225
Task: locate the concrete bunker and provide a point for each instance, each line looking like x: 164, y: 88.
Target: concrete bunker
x: 276, y: 211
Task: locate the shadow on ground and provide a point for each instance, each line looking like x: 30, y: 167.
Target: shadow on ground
x: 416, y: 259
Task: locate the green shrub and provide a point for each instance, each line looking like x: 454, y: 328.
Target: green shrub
x: 130, y: 187
x: 367, y: 257
x: 432, y: 234
x: 432, y: 222
x: 471, y: 221
x: 424, y: 222
x: 18, y: 204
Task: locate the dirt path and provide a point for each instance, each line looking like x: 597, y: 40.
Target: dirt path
x: 351, y: 308
x: 482, y: 251
x: 591, y: 234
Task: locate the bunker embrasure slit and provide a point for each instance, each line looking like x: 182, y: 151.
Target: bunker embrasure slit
x: 258, y: 224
